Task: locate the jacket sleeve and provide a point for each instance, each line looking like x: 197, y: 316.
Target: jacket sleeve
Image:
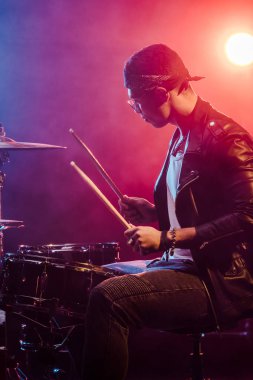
x: 232, y: 153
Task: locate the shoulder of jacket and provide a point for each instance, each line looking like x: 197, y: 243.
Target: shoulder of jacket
x: 220, y: 128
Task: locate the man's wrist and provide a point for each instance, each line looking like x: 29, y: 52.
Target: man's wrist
x: 168, y: 240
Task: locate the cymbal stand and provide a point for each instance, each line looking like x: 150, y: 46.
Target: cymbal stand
x: 4, y: 157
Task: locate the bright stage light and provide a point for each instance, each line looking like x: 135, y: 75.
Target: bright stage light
x: 239, y: 49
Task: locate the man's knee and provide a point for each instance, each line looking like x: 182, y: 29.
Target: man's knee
x: 103, y: 293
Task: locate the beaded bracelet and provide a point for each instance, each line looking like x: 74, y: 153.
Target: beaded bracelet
x: 173, y: 241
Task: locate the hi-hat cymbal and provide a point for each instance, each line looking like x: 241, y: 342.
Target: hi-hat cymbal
x: 6, y: 223
x: 9, y: 144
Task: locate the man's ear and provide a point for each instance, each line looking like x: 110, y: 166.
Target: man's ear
x: 161, y: 94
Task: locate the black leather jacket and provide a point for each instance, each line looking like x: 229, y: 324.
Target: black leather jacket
x: 215, y: 195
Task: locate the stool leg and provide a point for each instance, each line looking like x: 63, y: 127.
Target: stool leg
x: 197, y: 358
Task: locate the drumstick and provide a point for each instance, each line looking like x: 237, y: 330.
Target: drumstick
x: 100, y: 195
x: 99, y: 167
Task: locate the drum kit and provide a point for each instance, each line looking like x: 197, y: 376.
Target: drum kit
x: 45, y: 289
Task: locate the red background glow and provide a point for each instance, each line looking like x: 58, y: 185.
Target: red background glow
x: 61, y: 67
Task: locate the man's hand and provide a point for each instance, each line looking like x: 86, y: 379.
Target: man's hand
x: 143, y: 239
x: 137, y: 210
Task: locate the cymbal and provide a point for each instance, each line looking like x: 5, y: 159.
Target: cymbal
x: 10, y: 144
x: 6, y: 224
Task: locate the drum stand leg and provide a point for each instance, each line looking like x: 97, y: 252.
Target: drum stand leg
x: 4, y: 157
x: 39, y: 358
x: 2, y: 176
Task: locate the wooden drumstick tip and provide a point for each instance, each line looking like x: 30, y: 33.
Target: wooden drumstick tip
x: 71, y: 130
x: 72, y: 163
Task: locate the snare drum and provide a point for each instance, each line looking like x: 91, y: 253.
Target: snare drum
x: 97, y: 254
x: 33, y: 279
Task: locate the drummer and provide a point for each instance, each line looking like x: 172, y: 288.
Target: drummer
x: 203, y: 204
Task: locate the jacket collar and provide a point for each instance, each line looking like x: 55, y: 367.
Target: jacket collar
x: 198, y: 119
x: 192, y: 162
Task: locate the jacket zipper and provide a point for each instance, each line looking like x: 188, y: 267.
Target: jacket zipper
x: 205, y: 243
x: 193, y: 202
x: 191, y: 194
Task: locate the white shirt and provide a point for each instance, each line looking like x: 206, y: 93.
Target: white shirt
x: 172, y: 179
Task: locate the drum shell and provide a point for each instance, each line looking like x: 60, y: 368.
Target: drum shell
x: 96, y: 254
x: 38, y: 280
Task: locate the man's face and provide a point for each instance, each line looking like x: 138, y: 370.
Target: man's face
x: 152, y: 107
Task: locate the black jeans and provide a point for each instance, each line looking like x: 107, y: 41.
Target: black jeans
x: 158, y: 298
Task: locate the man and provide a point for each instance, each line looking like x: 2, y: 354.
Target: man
x: 204, y: 206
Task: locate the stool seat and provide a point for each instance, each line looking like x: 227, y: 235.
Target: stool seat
x: 196, y: 356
